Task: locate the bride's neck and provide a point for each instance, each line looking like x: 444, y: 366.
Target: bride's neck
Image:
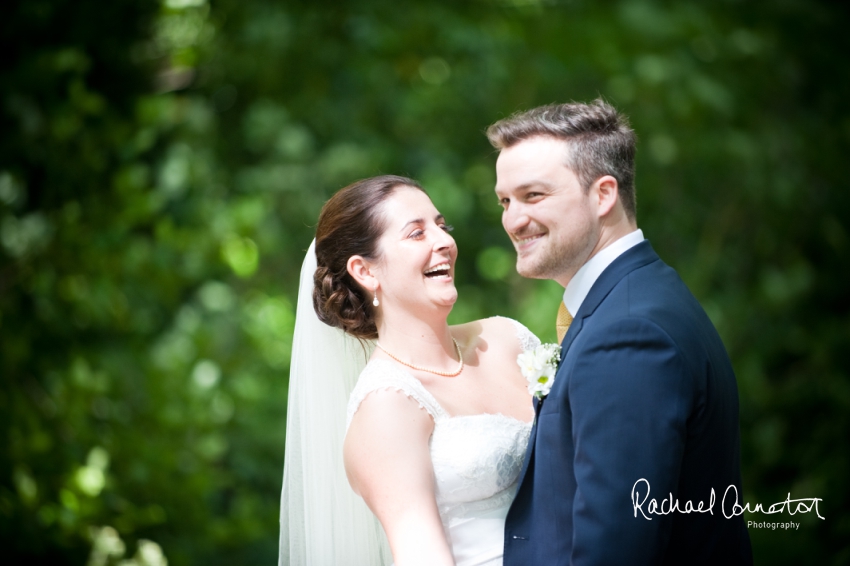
x: 418, y: 339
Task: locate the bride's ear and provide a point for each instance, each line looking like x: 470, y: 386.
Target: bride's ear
x: 361, y: 271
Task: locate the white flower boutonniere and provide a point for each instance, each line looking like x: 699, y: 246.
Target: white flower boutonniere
x: 538, y: 366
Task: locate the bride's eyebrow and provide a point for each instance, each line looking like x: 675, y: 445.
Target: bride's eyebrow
x: 414, y: 221
x: 438, y: 218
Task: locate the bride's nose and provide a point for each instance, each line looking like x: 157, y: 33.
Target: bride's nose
x: 443, y: 241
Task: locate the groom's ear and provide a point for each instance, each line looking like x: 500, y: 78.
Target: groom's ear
x: 606, y: 191
x: 360, y: 270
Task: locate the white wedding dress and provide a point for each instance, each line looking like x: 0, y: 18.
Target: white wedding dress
x: 477, y: 460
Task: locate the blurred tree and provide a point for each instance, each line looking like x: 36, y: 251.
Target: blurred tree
x: 162, y: 167
x: 68, y: 96
x: 116, y: 328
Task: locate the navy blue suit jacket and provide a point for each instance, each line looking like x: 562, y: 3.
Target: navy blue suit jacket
x: 645, y: 390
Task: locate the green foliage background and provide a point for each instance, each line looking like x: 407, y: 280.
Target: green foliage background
x: 162, y: 166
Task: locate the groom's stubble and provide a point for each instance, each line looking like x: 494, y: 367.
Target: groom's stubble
x: 561, y: 253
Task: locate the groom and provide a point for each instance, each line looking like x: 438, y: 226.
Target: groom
x: 644, y: 405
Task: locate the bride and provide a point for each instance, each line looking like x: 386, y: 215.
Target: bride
x: 437, y: 424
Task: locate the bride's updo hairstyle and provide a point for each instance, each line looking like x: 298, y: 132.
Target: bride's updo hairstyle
x: 350, y: 224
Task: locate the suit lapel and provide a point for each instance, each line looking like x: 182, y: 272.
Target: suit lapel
x: 634, y: 258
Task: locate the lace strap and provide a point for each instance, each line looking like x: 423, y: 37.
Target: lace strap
x: 527, y: 339
x: 383, y: 374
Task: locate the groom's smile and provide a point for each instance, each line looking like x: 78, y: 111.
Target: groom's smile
x: 525, y: 240
x: 525, y: 243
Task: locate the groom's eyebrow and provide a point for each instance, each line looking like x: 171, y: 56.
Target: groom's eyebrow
x: 532, y: 185
x: 524, y: 188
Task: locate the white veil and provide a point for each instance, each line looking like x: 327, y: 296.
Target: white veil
x: 322, y: 521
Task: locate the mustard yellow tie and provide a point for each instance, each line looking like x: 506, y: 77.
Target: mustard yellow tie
x: 563, y: 322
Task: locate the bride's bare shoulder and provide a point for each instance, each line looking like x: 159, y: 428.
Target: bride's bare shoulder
x: 496, y: 330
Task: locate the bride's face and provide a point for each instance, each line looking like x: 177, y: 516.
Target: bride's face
x: 417, y: 254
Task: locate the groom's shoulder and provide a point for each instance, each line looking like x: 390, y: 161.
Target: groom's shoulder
x: 657, y: 293
x: 657, y: 284
x: 639, y: 277
x: 640, y: 284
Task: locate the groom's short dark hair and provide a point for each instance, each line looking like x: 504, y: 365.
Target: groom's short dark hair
x: 600, y: 139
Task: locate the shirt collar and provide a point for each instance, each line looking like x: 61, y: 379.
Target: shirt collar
x: 579, y: 286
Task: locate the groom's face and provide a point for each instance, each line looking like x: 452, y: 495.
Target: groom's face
x: 547, y: 213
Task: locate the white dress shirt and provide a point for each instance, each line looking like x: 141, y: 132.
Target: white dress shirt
x: 579, y: 286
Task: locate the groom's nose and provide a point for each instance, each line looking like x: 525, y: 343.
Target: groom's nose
x: 514, y: 218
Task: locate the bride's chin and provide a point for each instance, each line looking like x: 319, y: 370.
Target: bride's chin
x: 445, y: 301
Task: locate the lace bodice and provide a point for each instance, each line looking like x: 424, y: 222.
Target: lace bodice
x: 477, y: 460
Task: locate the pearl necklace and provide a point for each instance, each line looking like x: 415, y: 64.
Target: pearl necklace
x: 443, y: 373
